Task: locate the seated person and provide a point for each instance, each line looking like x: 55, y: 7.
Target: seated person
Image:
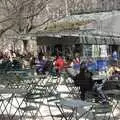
x: 59, y: 65
x: 40, y: 63
x: 114, y: 70
x: 84, y: 80
x: 76, y: 64
x: 99, y: 82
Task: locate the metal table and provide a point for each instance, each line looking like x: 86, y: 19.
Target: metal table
x: 74, y: 105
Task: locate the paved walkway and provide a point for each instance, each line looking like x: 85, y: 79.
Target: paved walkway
x: 45, y: 110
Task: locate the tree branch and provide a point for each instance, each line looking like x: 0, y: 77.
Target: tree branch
x: 5, y: 29
x: 35, y: 26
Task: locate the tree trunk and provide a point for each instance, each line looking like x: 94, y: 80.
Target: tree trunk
x: 25, y: 43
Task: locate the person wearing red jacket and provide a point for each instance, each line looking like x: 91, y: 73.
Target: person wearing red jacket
x: 59, y: 64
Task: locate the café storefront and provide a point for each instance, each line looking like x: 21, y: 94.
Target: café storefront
x: 84, y: 45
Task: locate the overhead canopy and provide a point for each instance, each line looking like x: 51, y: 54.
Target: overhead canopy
x: 101, y: 28
x: 78, y: 38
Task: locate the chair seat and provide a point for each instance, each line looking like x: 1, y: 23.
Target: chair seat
x: 102, y: 109
x: 37, y: 96
x: 112, y: 92
x: 99, y: 77
x: 29, y: 108
x: 66, y: 114
x: 33, y: 101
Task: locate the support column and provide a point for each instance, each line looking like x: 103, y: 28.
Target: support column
x: 32, y: 46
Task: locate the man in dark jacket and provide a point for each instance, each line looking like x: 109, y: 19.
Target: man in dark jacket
x: 86, y: 83
x: 84, y: 80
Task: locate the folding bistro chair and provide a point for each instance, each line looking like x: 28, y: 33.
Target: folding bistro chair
x: 27, y: 105
x: 11, y: 108
x: 4, y: 102
x: 52, y: 98
x: 114, y: 99
x: 102, y: 112
x: 72, y: 89
x: 33, y: 100
x: 50, y: 95
x: 31, y: 110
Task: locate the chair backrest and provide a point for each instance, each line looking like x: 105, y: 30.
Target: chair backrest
x: 111, y: 84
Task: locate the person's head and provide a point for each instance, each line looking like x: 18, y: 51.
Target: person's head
x: 40, y: 57
x: 68, y: 59
x: 59, y: 56
x: 83, y: 66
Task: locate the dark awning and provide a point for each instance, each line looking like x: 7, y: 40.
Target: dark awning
x: 80, y: 39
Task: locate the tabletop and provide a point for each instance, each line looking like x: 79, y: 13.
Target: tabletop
x: 75, y: 103
x: 99, y: 77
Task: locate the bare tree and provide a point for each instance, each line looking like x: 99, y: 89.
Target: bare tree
x: 83, y: 6
x: 23, y: 16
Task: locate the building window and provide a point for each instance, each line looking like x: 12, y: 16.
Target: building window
x: 87, y: 50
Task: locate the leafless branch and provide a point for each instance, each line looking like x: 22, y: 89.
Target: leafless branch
x: 5, y: 29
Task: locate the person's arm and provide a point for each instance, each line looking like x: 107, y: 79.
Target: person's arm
x: 117, y: 69
x: 110, y: 72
